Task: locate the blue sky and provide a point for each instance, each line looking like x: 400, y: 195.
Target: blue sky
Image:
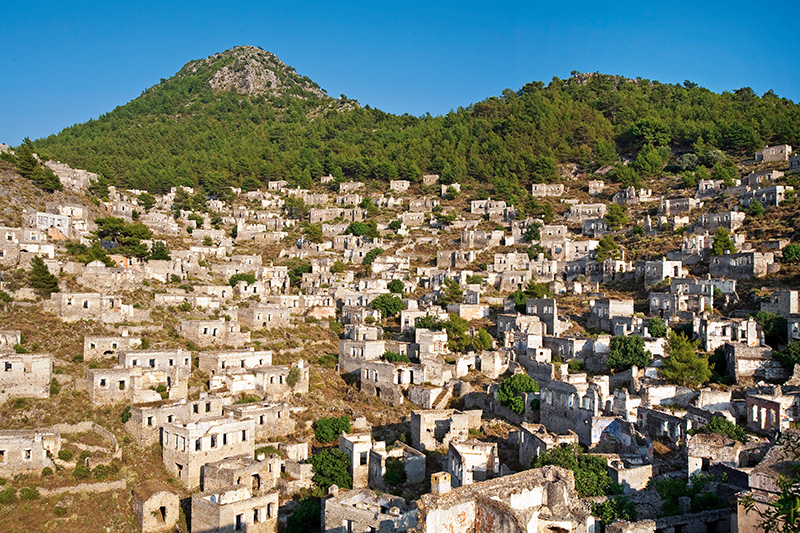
x: 66, y: 62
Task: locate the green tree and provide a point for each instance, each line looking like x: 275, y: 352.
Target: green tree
x: 756, y: 209
x: 616, y: 216
x: 247, y: 277
x: 328, y: 429
x: 626, y: 176
x: 790, y: 355
x: 607, y: 249
x: 613, y: 509
x: 533, y: 231
x: 683, y: 365
x: 791, y: 253
x: 657, y: 327
x: 456, y: 328
x: 364, y: 229
x: 396, y: 286
x: 338, y: 267
x: 722, y: 426
x: 511, y: 391
x: 388, y: 304
x: 537, y: 290
x: 648, y: 161
x: 159, y: 251
x: 774, y: 327
x: 626, y: 351
x: 40, y: 279
x: 293, y: 377
x: 482, y: 341
x: 722, y: 242
x: 395, y: 357
x: 207, y: 241
x: 370, y: 256
x: 591, y: 471
x: 331, y: 467
x: 313, y: 233
x: 305, y: 519
x: 450, y: 293
x: 146, y: 200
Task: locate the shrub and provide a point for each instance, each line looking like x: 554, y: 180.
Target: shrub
x: 293, y: 378
x: 395, y: 472
x: 331, y: 467
x: 125, y: 416
x: 81, y: 471
x: 242, y: 276
x: 722, y: 426
x: 8, y: 495
x: 328, y: 429
x: 328, y: 361
x: 591, y: 471
x: 28, y: 493
x: 306, y: 518
x: 58, y: 510
x: 65, y: 455
x: 55, y: 387
x: 101, y: 472
x: 395, y: 357
x: 47, y: 471
x: 510, y: 391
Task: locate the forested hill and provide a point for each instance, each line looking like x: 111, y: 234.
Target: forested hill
x: 242, y: 117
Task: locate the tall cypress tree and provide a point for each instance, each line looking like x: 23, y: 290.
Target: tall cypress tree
x: 41, y: 280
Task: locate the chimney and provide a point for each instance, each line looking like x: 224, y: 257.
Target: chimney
x: 440, y: 483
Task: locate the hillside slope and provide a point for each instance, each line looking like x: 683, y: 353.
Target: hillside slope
x: 242, y: 117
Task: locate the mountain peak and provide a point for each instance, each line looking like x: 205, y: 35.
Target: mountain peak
x: 252, y: 71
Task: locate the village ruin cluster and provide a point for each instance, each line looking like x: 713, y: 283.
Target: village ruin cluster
x: 453, y: 345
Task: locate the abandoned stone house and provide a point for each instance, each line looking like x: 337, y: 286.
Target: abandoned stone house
x: 671, y: 306
x: 27, y: 450
x: 72, y: 307
x: 659, y: 423
x: 782, y: 302
x: 709, y: 188
x: 235, y: 508
x: 749, y: 364
x: 75, y: 179
x: 157, y: 359
x: 730, y: 220
x: 676, y: 206
x: 348, y: 199
x: 268, y: 317
x: 743, y: 265
x: 259, y: 474
x: 779, y: 152
x: 148, y: 419
x: 380, y: 456
x: 770, y: 413
x: 135, y: 384
x: 533, y: 439
x: 536, y: 500
x: 156, y: 506
x: 596, y: 187
x: 357, y: 447
x: 472, y: 461
x: 364, y: 511
x: 270, y: 382
x: 579, y: 212
x: 97, y: 346
x: 654, y: 272
x: 423, y: 205
x: 434, y: 429
x: 399, y: 186
x: 25, y: 375
x: 577, y: 403
x: 189, y: 446
x: 271, y: 420
x: 540, y: 190
x: 768, y: 196
x: 603, y: 310
x: 714, y: 333
x: 218, y: 332
x: 455, y: 258
x: 633, y: 196
x: 471, y: 238
x: 594, y: 227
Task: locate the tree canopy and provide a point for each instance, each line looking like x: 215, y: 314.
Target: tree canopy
x: 591, y: 471
x: 626, y: 351
x: 684, y: 365
x: 511, y: 390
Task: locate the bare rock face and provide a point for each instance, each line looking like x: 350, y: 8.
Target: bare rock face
x: 253, y: 71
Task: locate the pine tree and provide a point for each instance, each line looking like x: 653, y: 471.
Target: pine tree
x: 685, y: 366
x: 41, y: 280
